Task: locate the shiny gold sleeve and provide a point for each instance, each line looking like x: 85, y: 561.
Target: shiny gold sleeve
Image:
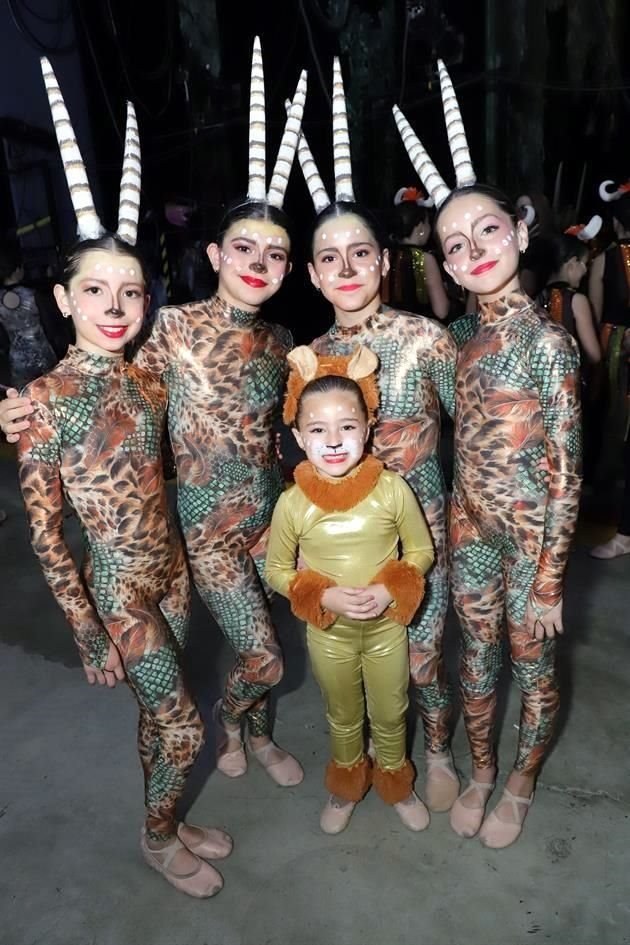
x: 304, y: 588
x: 404, y: 578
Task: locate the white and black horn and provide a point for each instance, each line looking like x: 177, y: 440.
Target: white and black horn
x: 89, y: 225
x: 257, y: 186
x: 314, y: 182
x: 425, y: 168
x: 130, y: 182
x: 344, y: 189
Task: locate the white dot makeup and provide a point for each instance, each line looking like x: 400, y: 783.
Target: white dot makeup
x: 274, y: 281
x: 244, y: 231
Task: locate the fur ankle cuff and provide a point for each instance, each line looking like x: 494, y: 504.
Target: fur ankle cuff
x: 350, y: 783
x: 394, y: 786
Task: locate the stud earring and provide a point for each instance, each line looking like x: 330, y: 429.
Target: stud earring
x: 65, y: 314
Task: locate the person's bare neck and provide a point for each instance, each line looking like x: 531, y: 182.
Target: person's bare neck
x: 351, y: 319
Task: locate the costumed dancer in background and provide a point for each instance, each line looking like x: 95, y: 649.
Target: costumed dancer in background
x: 30, y: 352
x: 609, y: 291
x: 345, y: 517
x: 417, y: 366
x: 414, y: 281
x: 569, y: 253
x: 94, y: 438
x: 225, y: 370
x: 517, y: 402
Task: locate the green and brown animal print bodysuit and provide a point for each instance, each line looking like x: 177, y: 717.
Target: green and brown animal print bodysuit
x: 95, y: 439
x: 517, y: 404
x: 225, y: 371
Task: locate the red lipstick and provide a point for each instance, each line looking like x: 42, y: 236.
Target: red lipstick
x: 254, y: 282
x: 484, y: 267
x: 335, y: 459
x: 352, y: 287
x: 113, y: 331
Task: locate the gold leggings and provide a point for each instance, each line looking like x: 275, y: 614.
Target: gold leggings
x: 352, y: 656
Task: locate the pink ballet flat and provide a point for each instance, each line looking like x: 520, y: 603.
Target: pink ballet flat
x: 231, y: 763
x: 212, y: 844
x: 440, y: 793
x: 413, y: 813
x: 285, y: 770
x: 202, y: 882
x: 336, y: 815
x: 466, y: 821
x: 497, y: 833
x: 617, y: 546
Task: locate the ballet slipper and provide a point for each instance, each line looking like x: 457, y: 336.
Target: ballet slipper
x: 202, y: 882
x: 466, y: 821
x: 440, y: 793
x: 617, y: 546
x: 231, y: 763
x: 285, y: 770
x: 413, y: 813
x: 212, y: 844
x: 497, y: 833
x: 336, y: 814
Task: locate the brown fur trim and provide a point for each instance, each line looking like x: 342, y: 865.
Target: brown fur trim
x: 350, y: 783
x: 305, y: 597
x: 406, y: 585
x: 394, y: 786
x: 328, y: 364
x: 338, y: 495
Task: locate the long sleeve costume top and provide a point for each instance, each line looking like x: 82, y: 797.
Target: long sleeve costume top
x: 225, y: 371
x: 416, y: 367
x: 352, y: 544
x: 517, y: 401
x: 95, y: 439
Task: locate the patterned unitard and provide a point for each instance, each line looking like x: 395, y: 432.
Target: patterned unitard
x: 353, y: 543
x: 225, y: 371
x: 517, y: 403
x: 417, y: 366
x: 95, y: 439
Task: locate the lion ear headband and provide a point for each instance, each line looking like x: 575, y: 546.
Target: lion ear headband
x: 89, y: 225
x: 460, y: 153
x: 257, y: 187
x: 344, y: 190
x: 306, y: 366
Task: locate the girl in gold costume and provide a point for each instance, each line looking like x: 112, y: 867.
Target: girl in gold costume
x: 345, y: 518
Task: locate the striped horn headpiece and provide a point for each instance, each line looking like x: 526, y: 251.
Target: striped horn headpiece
x: 460, y: 152
x: 344, y: 190
x: 257, y: 187
x: 89, y: 225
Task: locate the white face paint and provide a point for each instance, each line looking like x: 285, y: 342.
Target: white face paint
x: 332, y: 431
x: 107, y: 301
x: 348, y: 264
x: 480, y: 244
x: 251, y: 261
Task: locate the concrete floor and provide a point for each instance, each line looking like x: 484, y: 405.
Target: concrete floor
x: 71, y: 802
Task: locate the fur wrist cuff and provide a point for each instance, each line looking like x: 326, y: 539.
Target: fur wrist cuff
x: 406, y: 585
x: 305, y: 597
